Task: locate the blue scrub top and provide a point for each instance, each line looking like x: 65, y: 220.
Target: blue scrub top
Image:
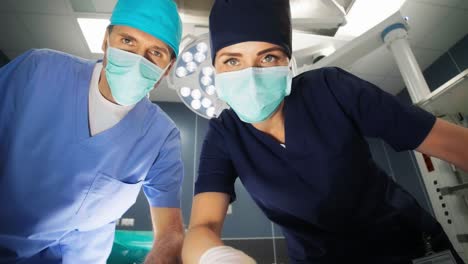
x: 61, y: 189
x: 334, y: 204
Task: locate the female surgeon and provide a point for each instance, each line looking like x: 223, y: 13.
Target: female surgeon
x: 298, y: 146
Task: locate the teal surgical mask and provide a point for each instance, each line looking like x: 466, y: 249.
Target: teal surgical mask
x: 254, y: 93
x: 130, y: 76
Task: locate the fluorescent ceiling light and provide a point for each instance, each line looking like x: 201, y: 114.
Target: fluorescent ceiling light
x: 365, y: 14
x: 93, y: 30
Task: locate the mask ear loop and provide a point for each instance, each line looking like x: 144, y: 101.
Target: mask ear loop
x: 108, y: 38
x: 293, y: 65
x: 165, y: 68
x: 160, y: 79
x: 292, y: 72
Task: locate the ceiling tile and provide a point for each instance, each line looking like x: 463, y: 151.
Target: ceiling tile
x: 7, y: 6
x: 423, y: 17
x: 58, y: 7
x: 453, y: 28
x: 93, y: 6
x: 83, y: 6
x: 448, y: 3
x: 463, y: 4
x: 104, y: 6
x: 55, y: 32
x: 378, y: 62
x: 14, y: 34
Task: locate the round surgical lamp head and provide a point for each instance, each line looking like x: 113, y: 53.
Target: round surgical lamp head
x: 194, y: 77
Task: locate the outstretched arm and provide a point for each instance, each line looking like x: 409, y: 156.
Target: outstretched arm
x: 168, y: 236
x: 448, y: 142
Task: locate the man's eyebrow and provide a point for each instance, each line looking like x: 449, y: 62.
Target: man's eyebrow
x: 157, y: 47
x: 126, y: 35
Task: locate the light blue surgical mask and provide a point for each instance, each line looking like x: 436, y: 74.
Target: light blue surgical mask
x: 130, y: 76
x: 254, y: 93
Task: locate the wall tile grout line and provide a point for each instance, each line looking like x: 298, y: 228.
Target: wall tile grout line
x: 274, y: 242
x: 454, y: 61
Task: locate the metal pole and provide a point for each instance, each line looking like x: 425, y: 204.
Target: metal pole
x: 396, y: 38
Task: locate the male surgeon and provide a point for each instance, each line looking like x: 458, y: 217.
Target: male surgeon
x: 79, y: 138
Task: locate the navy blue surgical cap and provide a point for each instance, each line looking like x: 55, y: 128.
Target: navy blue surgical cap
x: 236, y: 21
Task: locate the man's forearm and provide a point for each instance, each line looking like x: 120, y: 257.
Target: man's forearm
x: 167, y: 248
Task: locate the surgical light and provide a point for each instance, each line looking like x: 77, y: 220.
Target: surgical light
x: 196, y: 104
x: 181, y: 72
x: 206, y: 102
x: 191, y: 66
x: 206, y: 80
x: 199, y: 57
x: 208, y: 71
x: 210, y: 112
x: 185, y: 91
x: 202, y: 47
x: 210, y: 90
x: 196, y: 94
x: 194, y: 78
x: 187, y: 57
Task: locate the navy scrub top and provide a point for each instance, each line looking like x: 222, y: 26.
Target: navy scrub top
x: 330, y: 198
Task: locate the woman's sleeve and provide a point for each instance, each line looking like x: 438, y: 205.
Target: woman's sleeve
x: 216, y: 172
x: 377, y: 113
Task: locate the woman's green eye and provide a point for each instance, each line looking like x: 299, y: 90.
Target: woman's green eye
x: 232, y: 62
x: 269, y: 58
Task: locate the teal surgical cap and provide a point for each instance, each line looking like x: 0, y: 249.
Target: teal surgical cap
x: 158, y: 18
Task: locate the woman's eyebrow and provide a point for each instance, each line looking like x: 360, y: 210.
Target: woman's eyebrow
x: 231, y: 54
x: 269, y: 50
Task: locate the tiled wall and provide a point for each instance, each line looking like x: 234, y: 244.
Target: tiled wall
x: 451, y: 63
x: 447, y: 66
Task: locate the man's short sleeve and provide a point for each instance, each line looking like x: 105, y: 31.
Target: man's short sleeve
x: 216, y: 172
x: 15, y: 77
x: 377, y: 113
x: 162, y: 185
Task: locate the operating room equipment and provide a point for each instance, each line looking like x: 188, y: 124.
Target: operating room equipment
x: 193, y: 78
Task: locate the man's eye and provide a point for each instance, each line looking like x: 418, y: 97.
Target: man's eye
x: 127, y: 41
x: 155, y: 53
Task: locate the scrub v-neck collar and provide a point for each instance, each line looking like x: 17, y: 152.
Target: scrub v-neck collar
x: 133, y: 120
x: 294, y: 137
x: 268, y: 140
